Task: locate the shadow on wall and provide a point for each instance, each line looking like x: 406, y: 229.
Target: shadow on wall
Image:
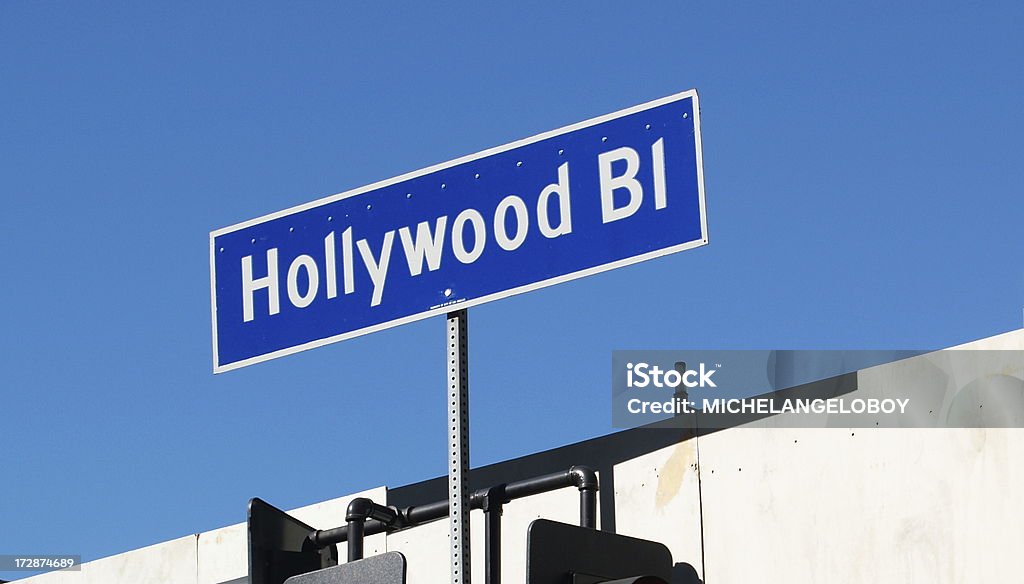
x: 604, y: 453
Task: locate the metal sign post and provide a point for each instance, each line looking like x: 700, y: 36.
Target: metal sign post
x: 458, y: 438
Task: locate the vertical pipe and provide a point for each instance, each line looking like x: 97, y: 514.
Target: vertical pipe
x: 355, y: 539
x: 458, y: 440
x: 492, y: 543
x: 588, y: 508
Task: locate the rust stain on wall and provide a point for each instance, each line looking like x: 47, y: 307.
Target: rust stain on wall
x: 670, y: 477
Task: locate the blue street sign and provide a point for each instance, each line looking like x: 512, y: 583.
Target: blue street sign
x: 597, y: 195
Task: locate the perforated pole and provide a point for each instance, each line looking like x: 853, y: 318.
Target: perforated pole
x: 458, y: 441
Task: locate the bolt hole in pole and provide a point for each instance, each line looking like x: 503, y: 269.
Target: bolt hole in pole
x: 458, y: 457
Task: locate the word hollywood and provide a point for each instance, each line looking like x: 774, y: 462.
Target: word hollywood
x: 467, y: 236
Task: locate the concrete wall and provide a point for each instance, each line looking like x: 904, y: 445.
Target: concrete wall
x: 752, y: 504
x: 212, y: 557
x: 876, y: 505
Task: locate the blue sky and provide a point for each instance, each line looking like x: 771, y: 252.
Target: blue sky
x: 863, y: 177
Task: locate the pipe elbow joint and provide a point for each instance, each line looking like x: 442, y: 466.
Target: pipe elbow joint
x: 359, y: 509
x: 494, y: 498
x: 584, y: 478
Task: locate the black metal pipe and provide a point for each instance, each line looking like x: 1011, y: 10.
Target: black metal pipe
x: 355, y: 539
x: 420, y: 514
x: 588, y: 508
x: 322, y: 538
x: 493, y: 504
x: 364, y: 509
x: 537, y: 485
x: 425, y: 513
x: 585, y: 480
x: 359, y: 511
x: 377, y: 518
x: 492, y: 546
x: 584, y: 477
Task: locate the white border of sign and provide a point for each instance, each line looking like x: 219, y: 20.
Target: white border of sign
x: 692, y: 93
